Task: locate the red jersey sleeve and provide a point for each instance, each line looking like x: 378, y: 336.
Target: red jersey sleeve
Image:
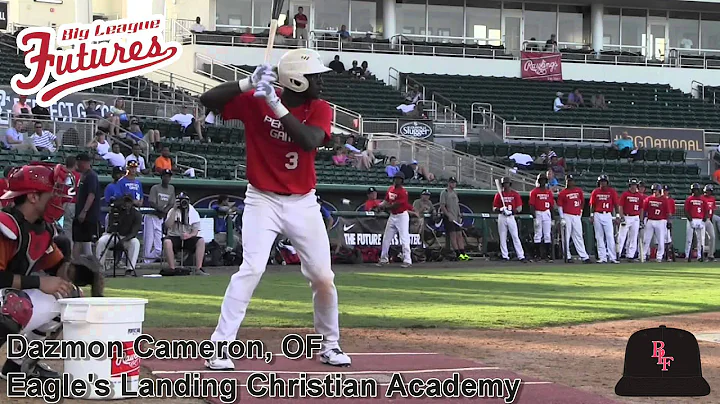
x: 240, y: 107
x: 320, y: 116
x: 592, y: 198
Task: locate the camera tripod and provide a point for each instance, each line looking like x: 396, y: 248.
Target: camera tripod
x: 115, y: 241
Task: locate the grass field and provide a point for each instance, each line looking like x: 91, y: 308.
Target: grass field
x: 505, y: 297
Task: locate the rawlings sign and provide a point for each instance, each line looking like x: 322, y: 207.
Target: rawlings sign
x: 83, y: 56
x: 541, y: 66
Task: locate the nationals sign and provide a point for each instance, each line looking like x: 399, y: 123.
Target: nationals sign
x: 83, y: 56
x: 541, y: 66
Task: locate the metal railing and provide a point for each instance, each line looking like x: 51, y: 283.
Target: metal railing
x: 445, y: 162
x: 554, y: 132
x: 343, y: 118
x: 482, y: 116
x: 182, y: 83
x: 72, y: 134
x: 204, y: 169
x: 238, y: 168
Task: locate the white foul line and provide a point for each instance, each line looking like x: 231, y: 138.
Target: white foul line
x: 293, y: 372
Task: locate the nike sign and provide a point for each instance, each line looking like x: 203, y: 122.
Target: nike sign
x: 346, y: 227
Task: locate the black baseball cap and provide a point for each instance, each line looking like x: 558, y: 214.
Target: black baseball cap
x: 662, y: 362
x: 425, y: 192
x: 118, y: 170
x: 83, y: 157
x: 452, y: 179
x: 132, y: 163
x: 166, y: 172
x: 371, y: 189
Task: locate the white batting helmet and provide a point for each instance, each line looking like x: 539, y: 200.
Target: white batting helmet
x: 295, y: 64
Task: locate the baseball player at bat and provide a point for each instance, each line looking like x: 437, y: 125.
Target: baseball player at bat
x: 541, y: 204
x: 669, y: 250
x: 697, y: 214
x: 711, y: 204
x: 570, y: 206
x: 656, y: 209
x: 629, y: 207
x: 603, y: 202
x: 283, y: 129
x: 397, y: 202
x: 507, y: 203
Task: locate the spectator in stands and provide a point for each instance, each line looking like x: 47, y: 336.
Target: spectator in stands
x: 21, y: 107
x: 15, y: 140
x: 392, y: 168
x: 533, y: 46
x: 99, y: 144
x: 413, y: 95
x: 424, y: 205
x: 161, y: 199
x: 686, y: 43
x: 340, y: 158
x: 39, y: 112
x: 197, y: 27
x: 86, y: 225
x: 164, y: 162
x: 522, y: 161
x: 247, y: 36
x: 551, y: 44
x: 343, y: 33
x: 184, y: 235
x: 416, y: 172
x: 625, y: 145
x: 113, y: 190
x: 138, y: 158
x: 575, y: 99
x: 118, y: 117
x: 372, y: 200
x: 150, y: 138
x: 558, y: 104
x: 337, y: 66
x: 716, y: 176
x: 130, y: 185
x: 553, y: 183
x: 44, y: 140
x: 301, y: 21
x: 355, y: 70
x: 362, y: 159
x: 114, y: 157
x: 92, y: 112
x: 189, y: 124
x: 366, y: 73
x: 598, y: 101
x: 226, y: 212
x: 557, y: 167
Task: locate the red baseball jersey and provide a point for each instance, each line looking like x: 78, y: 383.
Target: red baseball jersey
x: 603, y: 201
x: 274, y: 162
x: 696, y: 207
x: 510, y: 199
x: 710, y: 203
x: 77, y: 184
x: 542, y: 199
x: 631, y: 203
x: 400, y: 196
x: 656, y: 207
x: 371, y: 203
x: 670, y: 205
x: 3, y: 188
x: 571, y: 201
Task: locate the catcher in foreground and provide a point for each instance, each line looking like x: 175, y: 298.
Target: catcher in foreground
x: 34, y: 272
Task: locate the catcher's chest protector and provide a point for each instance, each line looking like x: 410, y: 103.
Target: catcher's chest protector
x: 34, y: 241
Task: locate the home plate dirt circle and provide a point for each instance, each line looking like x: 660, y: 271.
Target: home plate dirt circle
x: 381, y: 367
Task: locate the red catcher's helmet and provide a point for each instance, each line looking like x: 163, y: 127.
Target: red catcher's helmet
x: 39, y: 177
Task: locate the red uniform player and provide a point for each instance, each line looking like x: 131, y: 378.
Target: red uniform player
x: 631, y: 202
x: 696, y: 211
x: 668, y: 234
x: 710, y: 224
x: 397, y: 202
x: 603, y: 201
x: 656, y: 209
x: 507, y: 205
x: 283, y: 129
x: 570, y: 206
x: 542, y: 201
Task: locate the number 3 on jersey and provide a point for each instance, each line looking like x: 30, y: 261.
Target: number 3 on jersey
x: 292, y: 160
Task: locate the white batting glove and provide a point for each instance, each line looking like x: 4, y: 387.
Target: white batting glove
x: 260, y: 72
x: 265, y: 90
x: 563, y: 222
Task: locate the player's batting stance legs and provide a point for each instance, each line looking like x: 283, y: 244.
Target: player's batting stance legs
x: 397, y: 225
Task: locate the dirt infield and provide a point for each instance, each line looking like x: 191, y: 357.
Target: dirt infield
x: 586, y: 357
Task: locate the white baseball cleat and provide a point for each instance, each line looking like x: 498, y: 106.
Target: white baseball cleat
x: 220, y: 364
x: 381, y: 263
x: 335, y: 357
x: 405, y: 265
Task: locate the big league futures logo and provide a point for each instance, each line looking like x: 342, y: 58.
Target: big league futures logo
x: 83, y: 56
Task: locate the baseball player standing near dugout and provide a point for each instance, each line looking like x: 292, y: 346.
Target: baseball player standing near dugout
x: 697, y: 215
x: 541, y: 204
x: 630, y: 206
x: 450, y: 209
x: 656, y: 209
x: 603, y: 202
x: 283, y: 129
x: 397, y: 202
x: 507, y: 205
x: 570, y: 207
x: 670, y: 251
x: 710, y: 224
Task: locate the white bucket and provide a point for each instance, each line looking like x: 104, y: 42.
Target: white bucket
x: 104, y: 319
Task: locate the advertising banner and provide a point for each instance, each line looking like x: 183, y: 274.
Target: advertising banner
x: 692, y: 140
x: 417, y: 128
x: 541, y: 66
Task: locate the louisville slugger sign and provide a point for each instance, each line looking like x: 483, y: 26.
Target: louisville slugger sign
x: 83, y: 56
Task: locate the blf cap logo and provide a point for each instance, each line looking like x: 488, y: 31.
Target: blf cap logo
x: 662, y: 362
x: 83, y: 56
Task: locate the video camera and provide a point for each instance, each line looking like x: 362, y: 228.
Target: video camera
x: 117, y: 205
x: 183, y: 201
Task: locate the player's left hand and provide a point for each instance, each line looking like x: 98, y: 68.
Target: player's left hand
x: 266, y: 90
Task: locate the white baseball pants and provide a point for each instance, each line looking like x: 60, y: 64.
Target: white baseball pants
x: 628, y: 236
x: 298, y: 217
x: 657, y: 229
x: 152, y: 237
x: 603, y: 225
x: 508, y: 224
x: 573, y: 231
x: 710, y: 233
x: 543, y: 224
x: 397, y: 225
x: 105, y: 244
x: 695, y: 227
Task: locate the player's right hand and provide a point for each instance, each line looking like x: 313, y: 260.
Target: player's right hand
x: 53, y: 285
x: 563, y: 222
x: 260, y: 71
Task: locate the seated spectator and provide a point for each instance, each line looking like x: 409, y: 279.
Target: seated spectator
x: 355, y: 70
x: 247, y: 36
x: 44, y: 140
x: 21, y: 108
x: 92, y: 110
x: 716, y: 176
x: 416, y: 172
x: 99, y: 144
x: 197, y: 27
x: 558, y: 104
x: 522, y: 161
x: 130, y: 185
x: 366, y: 73
x: 392, y: 168
x: 209, y: 119
x: 189, y: 124
x: 424, y: 205
x: 362, y: 159
x: 184, y: 235
x: 553, y: 183
x: 413, y: 95
x: 113, y: 190
x: 15, y: 140
x: 164, y: 162
x: 340, y: 158
x: 151, y: 137
x: 127, y: 225
x: 336, y: 65
x: 598, y: 101
x: 114, y: 157
x: 138, y: 158
x: 625, y: 145
x: 39, y: 112
x: 372, y: 200
x: 533, y: 46
x: 118, y: 117
x: 551, y: 44
x: 343, y: 32
x: 575, y: 99
x: 557, y: 166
